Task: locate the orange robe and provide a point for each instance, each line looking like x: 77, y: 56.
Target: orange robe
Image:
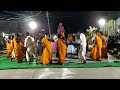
x: 23, y: 48
x: 96, y: 51
x: 104, y: 47
x: 62, y: 50
x: 70, y: 38
x: 9, y: 49
x: 18, y: 50
x: 47, y: 52
x: 24, y: 51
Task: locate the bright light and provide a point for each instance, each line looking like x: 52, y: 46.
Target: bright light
x: 32, y: 25
x: 102, y: 22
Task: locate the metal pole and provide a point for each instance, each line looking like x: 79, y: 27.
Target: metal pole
x: 48, y: 23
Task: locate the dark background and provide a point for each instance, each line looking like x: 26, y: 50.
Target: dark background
x: 73, y: 21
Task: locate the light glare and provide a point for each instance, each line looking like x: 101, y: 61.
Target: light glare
x: 102, y: 22
x: 32, y: 25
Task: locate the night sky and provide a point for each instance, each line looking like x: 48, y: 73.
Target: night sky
x: 73, y: 21
x: 81, y: 20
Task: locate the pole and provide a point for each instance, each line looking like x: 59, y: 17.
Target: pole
x: 48, y: 23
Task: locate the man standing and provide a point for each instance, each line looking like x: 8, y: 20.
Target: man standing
x: 82, y: 50
x: 30, y: 45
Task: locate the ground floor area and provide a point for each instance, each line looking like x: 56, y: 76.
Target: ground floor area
x: 62, y: 73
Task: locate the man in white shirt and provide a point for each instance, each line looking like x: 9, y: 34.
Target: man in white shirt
x: 82, y: 50
x: 30, y: 45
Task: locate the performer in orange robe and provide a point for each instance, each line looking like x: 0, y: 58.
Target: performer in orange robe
x: 96, y: 51
x: 70, y: 38
x: 24, y: 51
x: 18, y: 49
x: 47, y: 51
x: 9, y: 48
x: 62, y: 49
x: 104, y: 46
x: 22, y: 45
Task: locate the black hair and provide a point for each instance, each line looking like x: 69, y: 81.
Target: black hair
x: 52, y: 40
x: 17, y: 34
x: 27, y: 33
x: 46, y: 34
x: 12, y: 36
x: 63, y: 38
x: 97, y: 31
x: 59, y: 35
x: 9, y: 37
x: 101, y: 33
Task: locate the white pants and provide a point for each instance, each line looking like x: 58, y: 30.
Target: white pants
x: 30, y: 51
x: 82, y: 52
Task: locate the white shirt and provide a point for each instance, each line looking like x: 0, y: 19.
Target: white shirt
x: 83, y: 39
x: 29, y: 40
x: 55, y: 38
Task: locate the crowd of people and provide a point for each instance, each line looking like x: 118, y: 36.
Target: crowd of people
x: 26, y: 45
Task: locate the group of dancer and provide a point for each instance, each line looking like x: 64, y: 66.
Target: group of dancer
x: 25, y: 47
x: 20, y: 47
x: 99, y: 50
